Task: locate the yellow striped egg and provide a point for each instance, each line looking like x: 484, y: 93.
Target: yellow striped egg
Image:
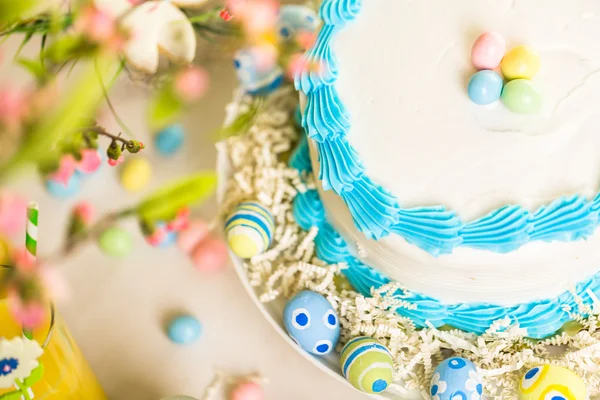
x: 249, y: 229
x: 551, y: 382
x: 367, y: 364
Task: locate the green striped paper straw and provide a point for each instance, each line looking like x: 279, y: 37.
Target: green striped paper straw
x: 31, y: 234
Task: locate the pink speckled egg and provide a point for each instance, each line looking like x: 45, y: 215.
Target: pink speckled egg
x: 195, y: 232
x: 247, y: 391
x: 488, y: 51
x: 210, y: 255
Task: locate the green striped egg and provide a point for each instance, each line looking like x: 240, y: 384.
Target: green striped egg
x: 249, y: 229
x: 367, y: 364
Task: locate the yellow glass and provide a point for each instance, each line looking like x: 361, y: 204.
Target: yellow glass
x: 67, y: 374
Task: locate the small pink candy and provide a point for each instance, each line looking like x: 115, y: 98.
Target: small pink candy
x: 488, y: 51
x: 192, y: 235
x: 210, y: 255
x: 247, y: 391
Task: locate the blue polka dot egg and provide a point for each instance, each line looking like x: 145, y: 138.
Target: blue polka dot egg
x: 312, y: 322
x: 456, y: 379
x: 249, y: 229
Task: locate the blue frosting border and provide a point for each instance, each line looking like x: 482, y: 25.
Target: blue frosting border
x: 375, y: 211
x: 541, y: 318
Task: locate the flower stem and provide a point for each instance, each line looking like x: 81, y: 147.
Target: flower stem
x: 22, y: 389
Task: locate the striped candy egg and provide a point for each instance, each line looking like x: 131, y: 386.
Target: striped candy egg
x: 249, y: 229
x: 551, y: 382
x: 367, y: 365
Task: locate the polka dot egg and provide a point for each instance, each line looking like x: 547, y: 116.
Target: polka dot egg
x: 249, y: 229
x: 367, y: 364
x: 456, y: 379
x: 312, y: 322
x: 551, y: 382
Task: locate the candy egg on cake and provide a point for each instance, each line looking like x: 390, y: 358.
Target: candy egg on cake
x: 455, y: 378
x: 312, y: 323
x: 256, y: 74
x: 249, y: 229
x: 367, y: 364
x: 294, y: 19
x: 551, y: 382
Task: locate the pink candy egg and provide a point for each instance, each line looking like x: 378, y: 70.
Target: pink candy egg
x: 488, y: 51
x: 194, y: 233
x: 210, y: 255
x: 247, y: 391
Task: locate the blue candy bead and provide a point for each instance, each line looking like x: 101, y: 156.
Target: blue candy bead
x: 170, y: 139
x: 184, y: 329
x: 57, y: 189
x: 312, y: 322
x: 485, y: 87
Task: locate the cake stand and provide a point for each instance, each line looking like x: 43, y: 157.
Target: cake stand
x: 273, y: 311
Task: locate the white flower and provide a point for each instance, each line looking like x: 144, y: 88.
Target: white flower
x: 156, y: 26
x: 437, y: 387
x: 473, y: 385
x: 18, y: 357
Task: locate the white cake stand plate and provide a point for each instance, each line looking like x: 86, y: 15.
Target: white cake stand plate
x: 273, y: 311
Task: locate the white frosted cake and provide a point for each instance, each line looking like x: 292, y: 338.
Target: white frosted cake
x: 478, y: 211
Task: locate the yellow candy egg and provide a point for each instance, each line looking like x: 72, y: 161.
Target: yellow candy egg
x: 522, y: 62
x: 136, y: 174
x: 551, y: 382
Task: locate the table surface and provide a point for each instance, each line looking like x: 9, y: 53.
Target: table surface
x: 117, y: 308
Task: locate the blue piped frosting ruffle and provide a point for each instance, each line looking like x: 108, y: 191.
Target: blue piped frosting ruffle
x: 375, y: 211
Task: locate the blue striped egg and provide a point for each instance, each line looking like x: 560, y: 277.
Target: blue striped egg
x: 367, y: 364
x: 456, y: 379
x: 249, y: 229
x: 312, y: 323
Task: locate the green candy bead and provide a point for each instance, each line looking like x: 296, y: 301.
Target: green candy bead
x: 116, y: 242
x: 522, y: 97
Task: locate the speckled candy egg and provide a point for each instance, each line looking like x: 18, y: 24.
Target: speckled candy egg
x: 312, y: 322
x: 254, y: 76
x: 294, y: 19
x: 367, y: 364
x: 456, y: 379
x: 551, y: 382
x: 249, y: 229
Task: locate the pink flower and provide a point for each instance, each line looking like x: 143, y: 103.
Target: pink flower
x: 114, y: 163
x: 65, y: 170
x: 265, y: 56
x: 257, y: 16
x: 13, y: 107
x: 181, y: 221
x: 85, y: 211
x: 225, y: 16
x: 90, y: 161
x: 157, y: 237
x: 13, y: 213
x: 96, y: 24
x: 191, y: 83
x: 30, y: 314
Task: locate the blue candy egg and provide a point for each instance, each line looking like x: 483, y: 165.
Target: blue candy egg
x: 294, y: 19
x: 57, y: 189
x: 485, y: 87
x: 456, y: 379
x: 312, y: 322
x: 254, y: 77
x: 184, y: 329
x: 169, y: 140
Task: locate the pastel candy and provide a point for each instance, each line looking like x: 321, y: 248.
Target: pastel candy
x: 294, y: 19
x: 57, y: 189
x: 247, y: 391
x: 312, y: 323
x: 169, y: 140
x: 116, y: 242
x: 485, y: 87
x: 210, y: 255
x: 254, y: 77
x: 522, y: 62
x: 553, y: 383
x: 456, y: 378
x: 184, y: 329
x: 522, y: 96
x: 367, y: 364
x: 488, y: 50
x: 135, y: 174
x: 249, y: 229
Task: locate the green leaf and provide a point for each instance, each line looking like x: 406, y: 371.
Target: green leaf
x: 14, y: 395
x: 11, y: 11
x: 68, y: 48
x: 165, y: 107
x: 35, y: 376
x: 164, y: 204
x: 35, y: 67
